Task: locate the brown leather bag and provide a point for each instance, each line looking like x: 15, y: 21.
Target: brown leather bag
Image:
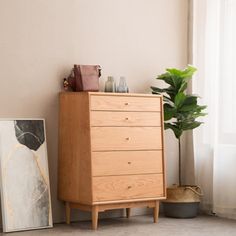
x: 83, y: 78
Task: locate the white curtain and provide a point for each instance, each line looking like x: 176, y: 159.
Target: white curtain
x: 214, y: 54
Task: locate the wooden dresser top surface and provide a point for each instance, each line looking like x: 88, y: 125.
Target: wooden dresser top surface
x: 112, y: 94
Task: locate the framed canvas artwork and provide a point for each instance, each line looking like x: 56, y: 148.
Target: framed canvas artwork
x: 24, y: 177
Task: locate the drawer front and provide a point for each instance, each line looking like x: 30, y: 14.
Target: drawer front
x: 127, y: 187
x: 124, y: 103
x: 125, y: 138
x: 126, y: 162
x: 109, y: 118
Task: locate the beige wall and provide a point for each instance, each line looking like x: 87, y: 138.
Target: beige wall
x: 41, y: 39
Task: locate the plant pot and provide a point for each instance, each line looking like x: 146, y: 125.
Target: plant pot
x: 182, y: 202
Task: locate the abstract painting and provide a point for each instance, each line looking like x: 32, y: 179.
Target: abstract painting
x: 24, y: 177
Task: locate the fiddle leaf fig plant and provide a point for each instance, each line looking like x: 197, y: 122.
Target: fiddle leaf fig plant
x: 180, y: 109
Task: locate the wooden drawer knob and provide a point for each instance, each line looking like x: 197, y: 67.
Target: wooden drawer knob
x: 129, y: 187
x: 127, y: 138
x: 126, y: 103
x: 126, y: 118
x: 129, y: 163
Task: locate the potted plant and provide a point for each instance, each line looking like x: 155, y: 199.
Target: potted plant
x: 180, y: 113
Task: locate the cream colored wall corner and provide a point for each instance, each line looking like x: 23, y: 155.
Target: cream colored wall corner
x: 40, y: 40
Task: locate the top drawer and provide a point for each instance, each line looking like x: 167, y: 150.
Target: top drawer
x: 124, y: 103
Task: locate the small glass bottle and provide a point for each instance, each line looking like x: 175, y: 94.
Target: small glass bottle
x: 122, y: 88
x: 110, y: 85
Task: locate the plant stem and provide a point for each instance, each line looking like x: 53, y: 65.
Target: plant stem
x: 180, y: 169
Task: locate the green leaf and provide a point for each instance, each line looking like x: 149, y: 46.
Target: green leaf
x: 170, y: 91
x: 183, y: 87
x: 188, y: 72
x: 190, y: 126
x: 174, y: 71
x: 186, y: 108
x: 178, y: 81
x: 167, y: 100
x: 167, y: 115
x: 181, y: 109
x: 159, y: 90
x: 163, y: 92
x: 179, y: 99
x: 169, y: 111
x: 190, y: 99
x: 167, y: 78
x: 196, y: 115
x: 153, y: 92
x: 200, y: 108
x: 178, y: 132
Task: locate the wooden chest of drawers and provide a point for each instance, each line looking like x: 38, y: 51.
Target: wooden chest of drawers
x: 111, y: 152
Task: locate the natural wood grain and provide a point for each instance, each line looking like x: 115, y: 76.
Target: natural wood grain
x: 125, y: 103
x: 111, y: 152
x: 74, y: 165
x: 127, y: 187
x: 95, y: 209
x: 128, y: 211
x: 125, y: 138
x: 163, y: 147
x: 156, y: 211
x: 110, y: 118
x: 119, y: 205
x: 82, y: 207
x: 140, y: 95
x: 94, y: 217
x: 67, y: 213
x: 126, y: 162
x: 130, y: 200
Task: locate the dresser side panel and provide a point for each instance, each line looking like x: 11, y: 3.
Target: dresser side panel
x: 163, y: 147
x: 74, y: 167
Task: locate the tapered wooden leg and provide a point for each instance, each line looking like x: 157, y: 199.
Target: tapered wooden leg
x: 68, y: 213
x: 95, y: 217
x: 128, y: 210
x: 156, y: 212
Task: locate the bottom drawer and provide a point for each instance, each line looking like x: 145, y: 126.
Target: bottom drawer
x: 127, y: 187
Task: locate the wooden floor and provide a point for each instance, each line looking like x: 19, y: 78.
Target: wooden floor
x: 143, y: 226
